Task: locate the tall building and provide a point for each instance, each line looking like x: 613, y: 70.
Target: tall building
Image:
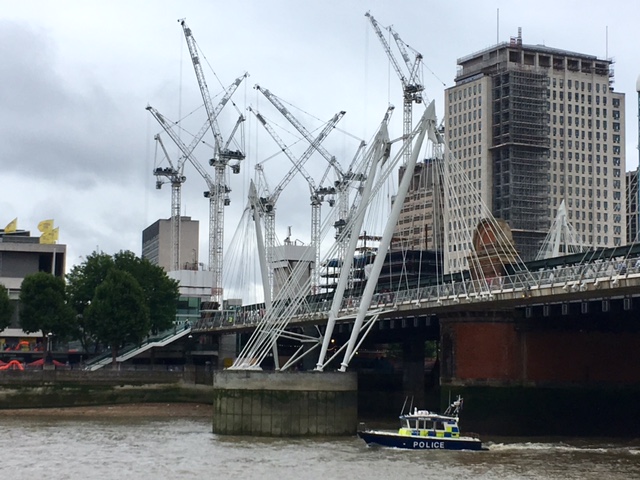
x: 156, y: 243
x: 530, y: 126
x: 632, y: 206
x: 195, y: 283
x: 420, y: 223
x: 633, y: 192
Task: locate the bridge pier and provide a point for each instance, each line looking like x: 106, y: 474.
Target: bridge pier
x: 284, y: 404
x: 413, y: 357
x: 554, y: 370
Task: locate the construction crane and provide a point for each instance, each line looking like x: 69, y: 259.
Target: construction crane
x: 173, y: 175
x: 317, y: 194
x: 222, y: 156
x: 344, y: 179
x: 412, y: 87
x: 188, y: 150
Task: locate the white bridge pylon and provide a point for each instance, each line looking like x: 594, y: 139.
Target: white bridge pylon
x: 288, y: 301
x: 492, y: 269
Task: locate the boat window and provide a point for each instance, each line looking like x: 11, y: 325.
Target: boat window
x: 439, y: 426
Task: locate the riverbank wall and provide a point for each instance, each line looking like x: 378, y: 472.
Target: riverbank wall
x: 75, y: 388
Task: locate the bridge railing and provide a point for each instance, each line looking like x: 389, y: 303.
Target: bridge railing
x: 478, y: 290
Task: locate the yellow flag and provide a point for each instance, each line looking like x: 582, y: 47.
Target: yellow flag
x: 56, y: 232
x: 45, y: 226
x: 48, y: 237
x: 12, y: 226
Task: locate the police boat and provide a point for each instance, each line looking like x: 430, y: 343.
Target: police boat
x: 425, y: 430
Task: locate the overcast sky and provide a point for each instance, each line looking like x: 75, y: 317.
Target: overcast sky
x: 76, y: 143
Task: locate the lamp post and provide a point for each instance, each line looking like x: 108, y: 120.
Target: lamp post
x: 47, y: 359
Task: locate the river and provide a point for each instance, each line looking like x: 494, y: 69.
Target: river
x: 57, y: 448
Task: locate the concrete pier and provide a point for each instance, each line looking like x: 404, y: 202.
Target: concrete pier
x: 283, y: 404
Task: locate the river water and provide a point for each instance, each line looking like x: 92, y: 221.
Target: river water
x: 56, y: 448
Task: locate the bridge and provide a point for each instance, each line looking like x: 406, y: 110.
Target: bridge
x: 583, y: 283
x: 494, y: 282
x: 500, y: 323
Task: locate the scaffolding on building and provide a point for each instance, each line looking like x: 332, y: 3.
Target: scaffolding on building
x: 520, y: 155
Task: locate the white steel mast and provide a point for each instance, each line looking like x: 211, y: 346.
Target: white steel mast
x: 221, y: 158
x: 411, y: 86
x: 175, y: 176
x: 317, y: 194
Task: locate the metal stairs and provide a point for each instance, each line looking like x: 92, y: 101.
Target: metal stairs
x: 132, y: 351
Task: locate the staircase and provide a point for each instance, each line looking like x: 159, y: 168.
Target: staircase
x: 133, y: 350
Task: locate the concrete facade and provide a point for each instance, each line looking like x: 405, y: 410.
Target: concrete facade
x: 420, y: 224
x: 529, y: 127
x: 156, y: 243
x: 22, y: 255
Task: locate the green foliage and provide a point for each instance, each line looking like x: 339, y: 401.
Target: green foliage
x: 118, y: 312
x: 6, y: 309
x: 82, y: 282
x: 83, y: 279
x: 160, y: 293
x: 44, y: 306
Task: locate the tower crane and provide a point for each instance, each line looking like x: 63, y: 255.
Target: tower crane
x: 174, y: 176
x: 176, y: 197
x: 412, y: 87
x: 222, y: 156
x: 317, y: 194
x: 212, y: 193
x: 344, y: 179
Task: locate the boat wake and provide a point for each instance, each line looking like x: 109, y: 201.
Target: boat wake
x: 562, y: 447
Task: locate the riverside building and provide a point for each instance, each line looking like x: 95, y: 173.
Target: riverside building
x: 529, y: 127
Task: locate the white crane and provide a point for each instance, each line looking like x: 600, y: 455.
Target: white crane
x: 187, y: 154
x: 176, y: 187
x: 222, y: 156
x: 344, y: 179
x: 175, y: 176
x: 317, y: 194
x: 412, y: 87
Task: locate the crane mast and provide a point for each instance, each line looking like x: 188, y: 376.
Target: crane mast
x: 222, y: 155
x: 187, y: 152
x: 317, y: 195
x: 411, y: 87
x: 343, y: 182
x: 176, y: 178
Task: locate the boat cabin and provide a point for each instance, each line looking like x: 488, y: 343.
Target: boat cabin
x: 426, y: 424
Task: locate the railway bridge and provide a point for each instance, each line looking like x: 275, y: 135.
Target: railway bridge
x: 568, y: 335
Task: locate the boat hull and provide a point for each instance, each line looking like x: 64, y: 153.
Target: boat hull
x: 390, y: 439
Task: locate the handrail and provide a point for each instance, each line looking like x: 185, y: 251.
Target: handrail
x: 562, y: 278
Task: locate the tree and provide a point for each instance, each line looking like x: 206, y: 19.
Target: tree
x: 44, y: 307
x: 161, y: 292
x: 82, y: 282
x: 6, y: 309
x: 118, y: 313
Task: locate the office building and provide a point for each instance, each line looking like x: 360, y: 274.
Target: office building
x: 157, y: 243
x: 420, y: 225
x: 22, y: 255
x: 531, y: 126
x: 632, y: 206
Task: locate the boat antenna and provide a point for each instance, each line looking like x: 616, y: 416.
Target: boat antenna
x: 404, y: 405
